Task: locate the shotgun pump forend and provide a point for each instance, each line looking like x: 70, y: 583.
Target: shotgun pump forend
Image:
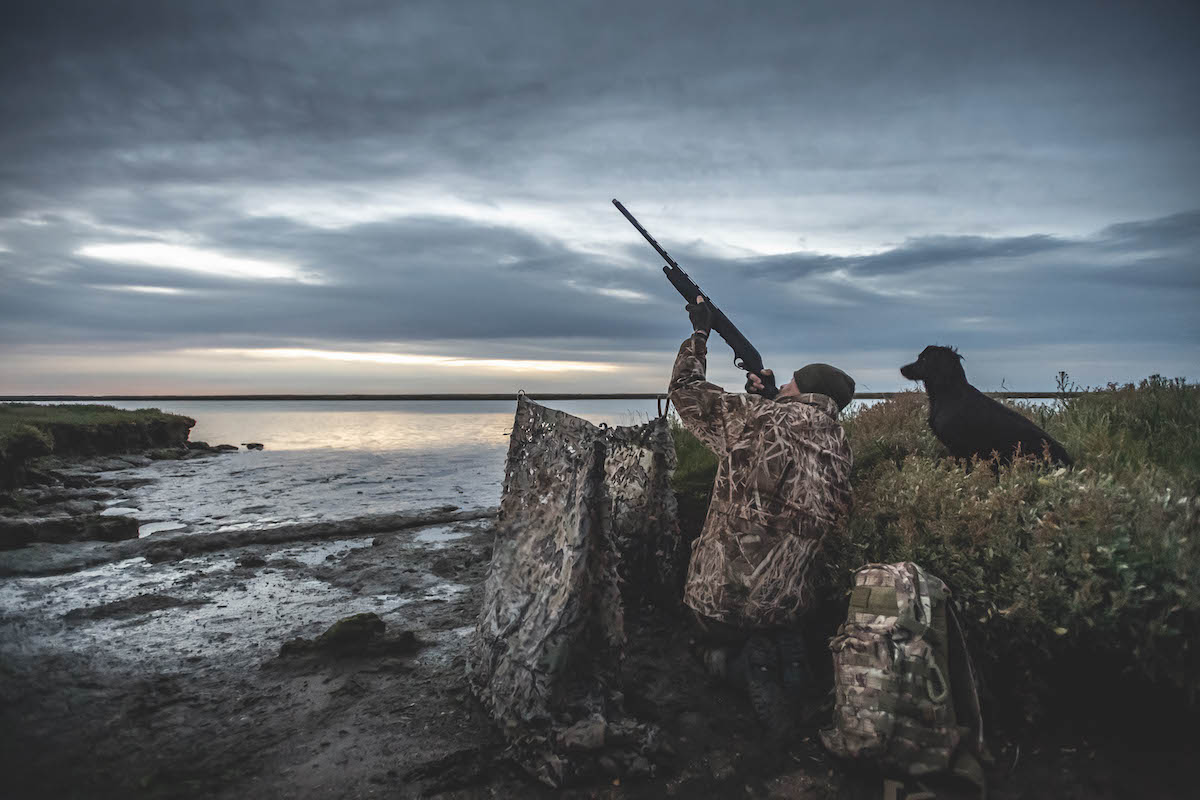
x: 745, y: 356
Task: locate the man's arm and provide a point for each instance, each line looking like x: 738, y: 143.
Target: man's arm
x: 700, y: 404
x: 745, y: 356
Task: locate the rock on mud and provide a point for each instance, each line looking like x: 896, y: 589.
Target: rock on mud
x: 131, y: 607
x: 167, y: 453
x: 357, y: 635
x: 587, y: 734
x: 19, y: 531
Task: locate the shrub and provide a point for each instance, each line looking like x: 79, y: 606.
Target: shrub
x: 890, y: 431
x: 18, y: 444
x: 21, y: 441
x: 1068, y: 580
x: 695, y: 470
x: 1125, y: 430
x: 1049, y: 570
x: 696, y: 466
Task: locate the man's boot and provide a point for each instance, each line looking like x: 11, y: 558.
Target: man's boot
x: 716, y: 662
x: 795, y: 673
x: 758, y: 666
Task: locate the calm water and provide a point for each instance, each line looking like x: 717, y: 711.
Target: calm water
x: 329, y: 460
x: 376, y: 426
x: 332, y: 460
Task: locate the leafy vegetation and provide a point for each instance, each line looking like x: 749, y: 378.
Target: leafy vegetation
x: 1128, y: 430
x: 695, y: 469
x: 1071, y: 583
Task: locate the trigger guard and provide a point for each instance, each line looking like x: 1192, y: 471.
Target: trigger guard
x: 737, y: 362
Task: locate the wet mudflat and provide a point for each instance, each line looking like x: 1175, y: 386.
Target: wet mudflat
x: 153, y: 668
x: 138, y: 679
x: 166, y: 679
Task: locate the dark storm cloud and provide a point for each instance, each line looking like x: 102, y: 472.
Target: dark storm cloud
x: 267, y: 88
x: 390, y: 282
x: 417, y: 280
x: 918, y: 254
x: 1001, y: 176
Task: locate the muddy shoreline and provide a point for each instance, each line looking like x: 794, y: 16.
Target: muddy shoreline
x: 67, y: 499
x: 152, y: 668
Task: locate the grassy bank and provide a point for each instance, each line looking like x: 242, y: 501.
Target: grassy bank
x: 1077, y: 585
x: 28, y: 430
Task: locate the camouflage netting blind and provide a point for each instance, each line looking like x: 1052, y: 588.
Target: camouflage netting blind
x: 587, y: 532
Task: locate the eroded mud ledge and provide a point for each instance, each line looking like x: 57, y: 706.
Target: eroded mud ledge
x: 163, y: 679
x: 30, y: 430
x: 50, y: 559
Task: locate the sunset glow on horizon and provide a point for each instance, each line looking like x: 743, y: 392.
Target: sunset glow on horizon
x: 407, y: 359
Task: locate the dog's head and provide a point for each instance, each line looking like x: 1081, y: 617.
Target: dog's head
x: 937, y: 365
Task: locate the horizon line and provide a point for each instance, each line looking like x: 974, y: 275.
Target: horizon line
x: 457, y: 397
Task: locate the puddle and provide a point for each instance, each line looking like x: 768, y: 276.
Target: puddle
x: 120, y: 512
x: 316, y: 554
x: 264, y: 523
x: 440, y: 536
x: 393, y: 600
x: 439, y: 591
x: 159, y: 527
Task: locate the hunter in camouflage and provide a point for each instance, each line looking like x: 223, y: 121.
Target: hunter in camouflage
x: 782, y: 486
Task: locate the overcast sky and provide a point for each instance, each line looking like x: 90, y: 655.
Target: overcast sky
x: 244, y: 196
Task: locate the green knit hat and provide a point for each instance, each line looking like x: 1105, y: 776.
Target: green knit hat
x: 827, y: 380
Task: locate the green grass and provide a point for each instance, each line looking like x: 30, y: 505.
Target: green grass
x: 696, y: 465
x: 1081, y: 583
x: 1129, y: 430
x: 74, y: 414
x: 695, y: 469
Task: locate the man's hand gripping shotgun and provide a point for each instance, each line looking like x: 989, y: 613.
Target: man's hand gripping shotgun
x: 744, y: 355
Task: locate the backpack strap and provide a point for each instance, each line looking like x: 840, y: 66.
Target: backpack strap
x: 971, y: 711
x: 967, y: 767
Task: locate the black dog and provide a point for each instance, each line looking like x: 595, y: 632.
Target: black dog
x: 969, y: 422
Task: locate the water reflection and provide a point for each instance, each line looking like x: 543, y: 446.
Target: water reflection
x: 381, y: 425
x: 375, y: 425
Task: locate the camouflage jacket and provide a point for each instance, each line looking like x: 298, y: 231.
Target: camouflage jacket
x: 783, y: 484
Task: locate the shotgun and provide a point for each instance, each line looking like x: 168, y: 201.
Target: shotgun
x: 745, y: 356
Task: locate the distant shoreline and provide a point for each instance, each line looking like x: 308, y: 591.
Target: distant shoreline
x: 31, y: 398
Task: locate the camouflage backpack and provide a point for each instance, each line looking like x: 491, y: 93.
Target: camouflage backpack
x: 898, y: 675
